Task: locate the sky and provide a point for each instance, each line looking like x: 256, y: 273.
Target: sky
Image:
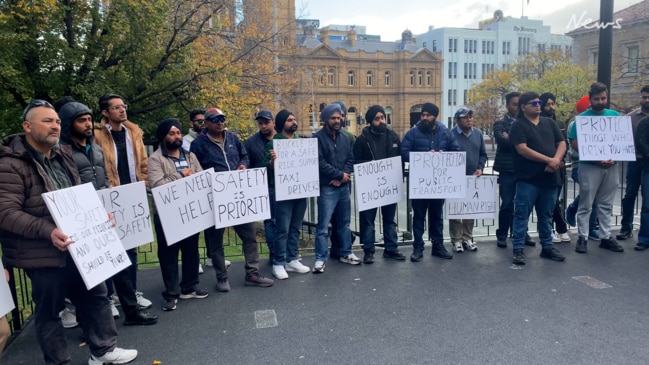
x: 389, y: 18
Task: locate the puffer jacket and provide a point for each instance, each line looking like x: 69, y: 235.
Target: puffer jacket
x: 229, y: 158
x: 104, y: 139
x: 417, y: 140
x: 335, y: 157
x: 25, y: 222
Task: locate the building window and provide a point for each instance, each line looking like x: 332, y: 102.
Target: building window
x: 507, y: 48
x: 429, y: 78
x: 420, y: 78
x: 452, y: 45
x: 434, y: 45
x: 524, y: 45
x: 466, y: 97
x: 452, y: 70
x: 330, y: 77
x: 412, y: 78
x: 633, y: 58
x: 593, y: 57
x: 388, y: 115
x: 351, y: 78
x: 387, y: 78
x: 449, y: 97
x: 369, y: 78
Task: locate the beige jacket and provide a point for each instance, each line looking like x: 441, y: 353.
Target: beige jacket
x: 136, y: 151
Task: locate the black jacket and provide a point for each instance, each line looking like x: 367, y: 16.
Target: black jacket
x: 335, y: 157
x: 365, y: 149
x: 505, y: 153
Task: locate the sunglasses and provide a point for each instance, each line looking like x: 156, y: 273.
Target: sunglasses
x: 535, y: 103
x: 217, y: 119
x: 35, y: 104
x: 199, y: 121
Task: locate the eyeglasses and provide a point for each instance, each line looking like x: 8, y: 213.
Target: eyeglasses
x: 217, y: 119
x: 199, y: 121
x: 535, y: 103
x: 35, y: 104
x: 118, y: 107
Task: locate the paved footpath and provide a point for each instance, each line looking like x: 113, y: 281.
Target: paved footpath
x: 475, y: 309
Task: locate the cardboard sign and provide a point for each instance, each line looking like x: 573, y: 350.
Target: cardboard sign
x: 296, y: 168
x: 480, y: 202
x: 6, y: 301
x: 378, y: 183
x: 437, y: 175
x: 185, y: 206
x: 97, y: 251
x: 241, y: 196
x: 605, y: 138
x: 130, y: 206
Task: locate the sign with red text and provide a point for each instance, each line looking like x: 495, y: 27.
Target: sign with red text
x: 185, y: 206
x: 378, y: 183
x: 6, y: 301
x: 437, y: 175
x: 130, y: 206
x: 296, y: 168
x: 240, y: 196
x: 96, y: 249
x: 603, y: 138
x: 480, y: 202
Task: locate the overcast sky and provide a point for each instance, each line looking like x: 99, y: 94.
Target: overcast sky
x: 389, y: 18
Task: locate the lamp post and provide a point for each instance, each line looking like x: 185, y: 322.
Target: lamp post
x: 605, y: 52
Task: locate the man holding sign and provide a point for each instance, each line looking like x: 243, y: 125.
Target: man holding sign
x: 32, y: 164
x: 377, y: 142
x: 598, y: 180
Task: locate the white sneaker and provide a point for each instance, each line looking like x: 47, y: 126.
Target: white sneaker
x: 117, y: 356
x: 279, y: 272
x: 113, y: 309
x: 556, y: 238
x: 565, y: 237
x: 319, y: 267
x: 297, y: 266
x: 68, y: 318
x: 208, y: 262
x: 200, y: 269
x: 116, y: 300
x: 143, y: 302
x: 227, y: 264
x: 457, y: 246
x: 350, y: 259
x: 470, y: 245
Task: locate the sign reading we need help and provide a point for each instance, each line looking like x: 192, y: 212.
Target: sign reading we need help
x: 603, y: 138
x: 241, y: 197
x: 130, y: 206
x: 96, y: 249
x: 296, y: 168
x: 185, y: 206
x: 480, y: 202
x: 6, y: 301
x: 378, y: 183
x: 437, y: 175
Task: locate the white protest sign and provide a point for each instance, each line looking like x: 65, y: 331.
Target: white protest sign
x: 185, y: 206
x: 378, y: 183
x: 437, y: 175
x: 296, y: 168
x: 241, y: 196
x: 480, y: 202
x: 97, y: 250
x: 605, y: 138
x: 130, y: 206
x: 6, y: 301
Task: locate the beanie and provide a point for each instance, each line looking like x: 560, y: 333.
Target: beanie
x: 372, y: 111
x: 280, y: 119
x: 582, y: 104
x: 165, y: 126
x: 431, y: 109
x: 328, y: 111
x: 545, y: 97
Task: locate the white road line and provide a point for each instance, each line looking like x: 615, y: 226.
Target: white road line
x: 592, y: 282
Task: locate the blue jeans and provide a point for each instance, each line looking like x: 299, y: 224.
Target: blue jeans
x: 333, y: 202
x: 368, y: 234
x: 288, y: 219
x: 270, y: 225
x: 643, y: 233
x: 572, y: 207
x: 506, y: 189
x: 435, y: 220
x: 528, y: 197
x: 633, y: 180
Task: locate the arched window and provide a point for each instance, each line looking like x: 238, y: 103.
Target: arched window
x: 388, y: 78
x: 369, y: 78
x: 420, y: 78
x: 429, y: 78
x: 412, y: 78
x: 388, y: 114
x: 330, y: 77
x: 351, y: 78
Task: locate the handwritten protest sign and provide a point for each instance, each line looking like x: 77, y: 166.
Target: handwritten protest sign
x: 437, y: 175
x: 130, y: 206
x: 605, y: 138
x: 6, y: 301
x: 296, y: 168
x: 378, y: 183
x: 480, y: 202
x: 185, y: 206
x: 97, y: 251
x: 241, y: 196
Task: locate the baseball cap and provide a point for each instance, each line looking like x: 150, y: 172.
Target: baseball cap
x: 266, y: 114
x: 462, y: 112
x: 213, y: 113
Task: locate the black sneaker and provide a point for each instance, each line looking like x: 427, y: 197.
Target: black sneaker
x: 552, y: 254
x: 169, y: 305
x: 440, y: 251
x: 519, y: 257
x: 417, y: 254
x: 196, y: 294
x: 611, y: 244
x: 582, y: 245
x: 641, y: 246
x: 395, y: 255
x: 501, y: 243
x: 624, y: 235
x: 368, y: 258
x: 257, y: 280
x: 529, y: 241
